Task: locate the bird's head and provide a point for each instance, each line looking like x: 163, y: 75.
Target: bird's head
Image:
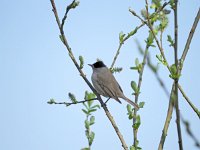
x: 98, y: 64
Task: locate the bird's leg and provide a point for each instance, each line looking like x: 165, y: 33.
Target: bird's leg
x: 107, y: 100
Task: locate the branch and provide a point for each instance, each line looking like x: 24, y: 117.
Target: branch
x: 154, y: 69
x: 137, y: 94
x: 68, y: 104
x: 187, y: 45
x: 186, y: 124
x: 151, y: 29
x: 188, y: 130
x: 64, y: 40
x: 70, y: 6
x: 121, y: 43
x: 167, y: 120
x: 189, y: 102
x: 137, y: 28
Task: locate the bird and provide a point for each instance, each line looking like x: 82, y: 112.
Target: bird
x: 105, y: 83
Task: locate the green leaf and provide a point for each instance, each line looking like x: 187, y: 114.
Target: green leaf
x: 132, y: 32
x: 137, y: 122
x: 87, y: 133
x: 144, y: 13
x: 134, y: 68
x: 130, y: 116
x: 141, y: 104
x: 157, y: 3
x: 161, y: 59
x: 132, y: 148
x: 74, y: 4
x: 72, y: 97
x: 81, y: 62
x: 86, y: 148
x: 92, y: 110
x: 169, y: 39
x: 116, y: 69
x: 134, y: 86
x: 87, y: 124
x: 92, y: 119
x: 174, y: 73
x: 137, y: 62
x: 95, y: 106
x: 172, y: 4
x: 89, y: 96
x: 92, y: 135
x: 164, y: 22
x: 173, y: 69
x: 121, y: 37
x: 51, y: 101
x: 85, y: 111
x: 129, y: 108
x: 180, y: 64
x: 150, y: 39
x: 130, y: 112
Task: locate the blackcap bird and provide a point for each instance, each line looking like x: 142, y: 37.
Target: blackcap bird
x: 105, y: 83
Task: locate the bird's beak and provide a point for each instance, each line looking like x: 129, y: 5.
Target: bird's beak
x: 90, y: 65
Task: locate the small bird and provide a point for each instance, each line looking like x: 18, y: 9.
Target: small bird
x: 105, y: 83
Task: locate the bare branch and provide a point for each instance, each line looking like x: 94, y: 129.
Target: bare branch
x: 188, y: 130
x: 167, y: 120
x: 189, y: 102
x: 187, y: 45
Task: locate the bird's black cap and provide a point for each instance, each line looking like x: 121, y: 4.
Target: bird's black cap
x: 99, y: 64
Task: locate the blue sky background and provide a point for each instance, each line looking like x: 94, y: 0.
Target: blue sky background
x: 36, y: 67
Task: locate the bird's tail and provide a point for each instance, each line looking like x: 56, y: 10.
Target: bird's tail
x: 131, y: 102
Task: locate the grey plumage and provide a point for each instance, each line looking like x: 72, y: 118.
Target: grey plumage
x: 105, y: 83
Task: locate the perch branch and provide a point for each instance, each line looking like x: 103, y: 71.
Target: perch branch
x: 124, y: 145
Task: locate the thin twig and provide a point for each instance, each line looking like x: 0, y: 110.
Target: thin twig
x: 148, y: 23
x: 167, y: 120
x: 120, y: 45
x: 70, y: 6
x: 137, y: 28
x: 189, y: 101
x: 137, y: 94
x: 78, y: 102
x: 154, y: 69
x: 187, y: 45
x: 124, y: 145
x: 184, y: 54
x: 188, y: 130
x: 176, y: 79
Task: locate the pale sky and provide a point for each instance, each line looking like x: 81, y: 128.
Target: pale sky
x: 35, y: 67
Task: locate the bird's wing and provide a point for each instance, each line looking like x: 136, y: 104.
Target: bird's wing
x: 120, y: 87
x: 109, y: 84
